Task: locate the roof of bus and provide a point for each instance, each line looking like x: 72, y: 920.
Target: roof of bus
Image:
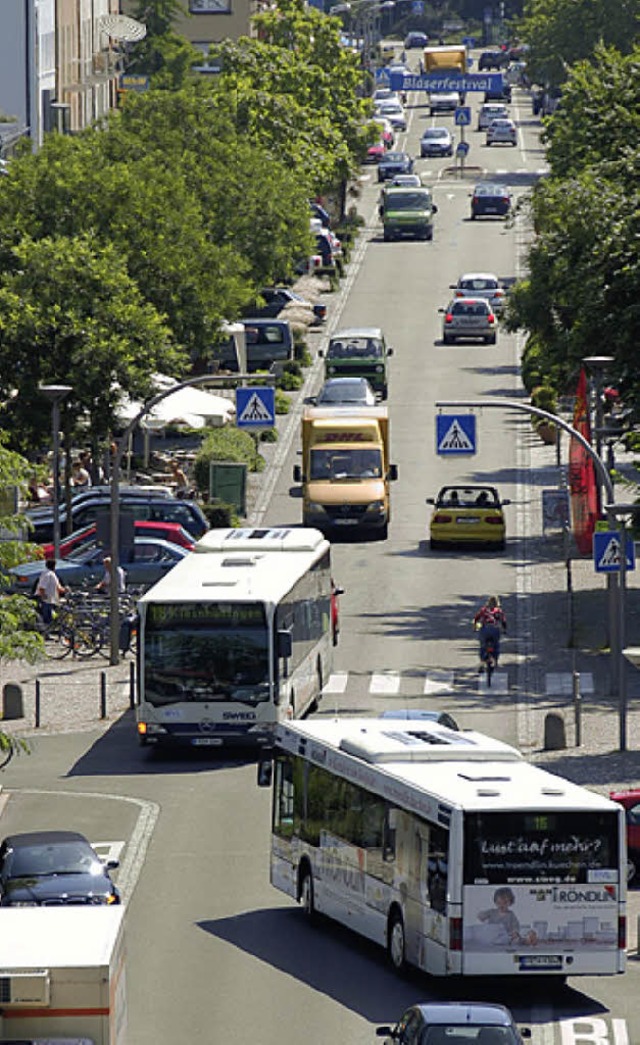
x: 240, y: 564
x: 464, y: 769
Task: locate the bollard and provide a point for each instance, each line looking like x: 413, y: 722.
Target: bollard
x: 554, y: 732
x: 37, y: 722
x: 132, y: 684
x: 577, y: 707
x: 103, y: 694
x: 12, y: 702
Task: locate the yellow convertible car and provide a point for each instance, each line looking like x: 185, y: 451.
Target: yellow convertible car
x: 467, y: 515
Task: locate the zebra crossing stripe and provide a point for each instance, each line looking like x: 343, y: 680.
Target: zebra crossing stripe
x: 499, y: 683
x: 385, y: 683
x: 560, y: 683
x: 336, y: 683
x: 438, y: 682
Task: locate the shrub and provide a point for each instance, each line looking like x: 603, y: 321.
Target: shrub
x: 225, y: 444
x: 290, y: 382
x: 220, y: 515
x: 283, y: 403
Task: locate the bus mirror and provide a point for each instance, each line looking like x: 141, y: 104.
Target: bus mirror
x: 265, y: 773
x: 285, y: 644
x: 392, y: 819
x: 393, y: 472
x: 297, y: 473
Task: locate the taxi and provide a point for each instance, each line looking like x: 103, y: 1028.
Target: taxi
x: 467, y: 515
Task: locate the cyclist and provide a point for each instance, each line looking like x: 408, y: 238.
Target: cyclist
x: 491, y: 621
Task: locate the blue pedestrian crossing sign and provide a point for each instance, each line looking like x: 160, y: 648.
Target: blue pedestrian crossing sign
x: 256, y: 407
x: 456, y: 434
x: 463, y: 116
x: 607, y: 546
x: 383, y: 77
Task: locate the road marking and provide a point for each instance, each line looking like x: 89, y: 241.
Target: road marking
x: 336, y: 683
x: 438, y: 682
x: 560, y: 683
x: 499, y: 683
x: 385, y: 683
x: 108, y: 850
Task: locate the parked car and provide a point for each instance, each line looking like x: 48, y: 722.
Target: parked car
x: 454, y: 1022
x: 443, y: 718
x: 436, y: 141
x: 41, y: 868
x: 406, y: 181
x: 491, y: 111
x: 499, y: 94
x: 490, y: 199
x: 394, y: 163
x: 144, y: 564
x: 385, y: 94
x: 469, y: 318
x: 387, y: 132
x: 346, y: 391
x: 376, y: 151
x: 167, y: 531
x: 630, y: 799
x: 415, y: 39
x: 278, y: 298
x: 465, y: 515
x: 157, y: 506
x: 502, y: 132
x: 394, y: 113
x: 493, y: 60
x: 481, y: 285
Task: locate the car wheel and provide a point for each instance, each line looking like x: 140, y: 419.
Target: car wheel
x: 384, y: 393
x: 307, y: 898
x: 492, y: 340
x: 447, y: 339
x: 387, y: 235
x: 473, y: 216
x: 429, y: 234
x: 435, y: 545
x: 396, y: 944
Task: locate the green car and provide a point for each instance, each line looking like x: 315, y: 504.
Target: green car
x: 359, y: 352
x: 407, y: 212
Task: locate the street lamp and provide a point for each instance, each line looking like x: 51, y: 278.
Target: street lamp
x: 598, y: 365
x: 55, y: 394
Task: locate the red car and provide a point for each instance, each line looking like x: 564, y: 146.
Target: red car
x: 168, y: 531
x: 631, y: 802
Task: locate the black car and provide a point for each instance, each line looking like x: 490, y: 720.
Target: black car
x: 277, y: 298
x: 394, y: 163
x: 502, y: 94
x: 493, y: 60
x: 87, y: 506
x: 490, y: 199
x: 415, y: 39
x: 46, y: 868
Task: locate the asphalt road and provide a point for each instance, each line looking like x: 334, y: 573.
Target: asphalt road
x: 214, y: 953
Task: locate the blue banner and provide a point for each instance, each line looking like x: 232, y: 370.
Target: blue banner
x: 436, y: 82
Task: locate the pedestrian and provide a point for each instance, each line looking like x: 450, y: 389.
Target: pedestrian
x: 49, y: 590
x: 80, y: 478
x: 180, y: 480
x: 105, y: 584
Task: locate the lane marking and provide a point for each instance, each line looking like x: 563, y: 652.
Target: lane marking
x: 385, y: 683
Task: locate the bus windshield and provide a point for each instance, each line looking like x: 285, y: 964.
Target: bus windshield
x: 206, y: 652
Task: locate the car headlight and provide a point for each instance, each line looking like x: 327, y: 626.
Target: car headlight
x: 376, y: 506
x: 379, y: 370
x: 331, y: 370
x: 315, y: 509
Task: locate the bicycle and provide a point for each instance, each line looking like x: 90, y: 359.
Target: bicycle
x: 489, y: 659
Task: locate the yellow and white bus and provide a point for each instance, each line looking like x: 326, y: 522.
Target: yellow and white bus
x: 448, y: 849
x: 237, y: 637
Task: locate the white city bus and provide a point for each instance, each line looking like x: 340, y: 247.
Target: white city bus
x: 236, y: 637
x: 448, y: 849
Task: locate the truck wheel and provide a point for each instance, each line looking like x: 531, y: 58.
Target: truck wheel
x: 387, y: 236
x: 306, y: 892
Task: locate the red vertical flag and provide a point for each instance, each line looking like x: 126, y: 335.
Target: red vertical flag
x: 582, y: 476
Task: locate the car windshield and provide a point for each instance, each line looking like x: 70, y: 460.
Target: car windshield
x: 470, y: 308
x: 355, y: 348
x: 490, y: 190
x: 345, y: 464
x: 56, y: 858
x: 407, y: 201
x: 395, y: 157
x: 456, y: 496
x: 345, y: 392
x: 478, y: 284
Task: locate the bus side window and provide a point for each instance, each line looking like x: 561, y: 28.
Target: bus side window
x: 389, y: 836
x: 437, y: 869
x: 284, y: 795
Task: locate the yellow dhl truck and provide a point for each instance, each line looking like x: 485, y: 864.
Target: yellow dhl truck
x: 345, y: 472
x: 450, y: 58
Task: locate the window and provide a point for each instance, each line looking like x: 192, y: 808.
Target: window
x: 306, y: 611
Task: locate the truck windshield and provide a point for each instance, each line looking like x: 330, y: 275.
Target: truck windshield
x: 206, y: 652
x: 407, y: 201
x: 355, y: 347
x: 346, y: 464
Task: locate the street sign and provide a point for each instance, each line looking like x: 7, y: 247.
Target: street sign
x: 606, y: 552
x: 438, y: 82
x: 456, y: 434
x: 462, y: 149
x: 255, y: 407
x: 463, y: 116
x: 469, y: 41
x: 382, y: 76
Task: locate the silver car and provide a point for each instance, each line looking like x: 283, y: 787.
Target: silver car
x: 502, y: 132
x: 481, y: 285
x: 466, y: 318
x: 491, y: 111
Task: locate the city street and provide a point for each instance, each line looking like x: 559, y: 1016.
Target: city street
x: 214, y: 953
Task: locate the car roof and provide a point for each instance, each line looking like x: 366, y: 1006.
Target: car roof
x: 494, y: 187
x: 357, y: 332
x: 478, y: 275
x: 29, y: 838
x: 345, y: 381
x: 469, y: 1012
x: 470, y: 299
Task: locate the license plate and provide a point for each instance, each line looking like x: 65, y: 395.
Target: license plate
x: 540, y: 961
x: 491, y: 210
x: 206, y: 742
x: 346, y: 522
x: 464, y: 520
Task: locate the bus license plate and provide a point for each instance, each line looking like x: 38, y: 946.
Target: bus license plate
x: 206, y: 741
x: 346, y: 522
x: 540, y: 961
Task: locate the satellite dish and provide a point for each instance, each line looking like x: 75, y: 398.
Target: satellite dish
x: 119, y: 27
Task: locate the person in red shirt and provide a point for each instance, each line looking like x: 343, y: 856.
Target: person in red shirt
x: 490, y: 621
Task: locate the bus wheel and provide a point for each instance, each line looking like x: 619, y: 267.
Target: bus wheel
x: 396, y: 941
x: 306, y: 892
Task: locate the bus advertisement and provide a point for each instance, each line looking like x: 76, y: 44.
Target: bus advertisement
x: 448, y: 849
x: 235, y: 638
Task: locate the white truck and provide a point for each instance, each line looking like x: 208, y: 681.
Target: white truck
x: 62, y: 976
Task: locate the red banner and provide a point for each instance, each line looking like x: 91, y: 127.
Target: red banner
x: 582, y: 476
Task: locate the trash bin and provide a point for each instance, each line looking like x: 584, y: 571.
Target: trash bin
x: 12, y: 702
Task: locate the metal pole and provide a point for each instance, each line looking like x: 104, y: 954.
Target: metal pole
x: 56, y: 477
x: 622, y: 663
